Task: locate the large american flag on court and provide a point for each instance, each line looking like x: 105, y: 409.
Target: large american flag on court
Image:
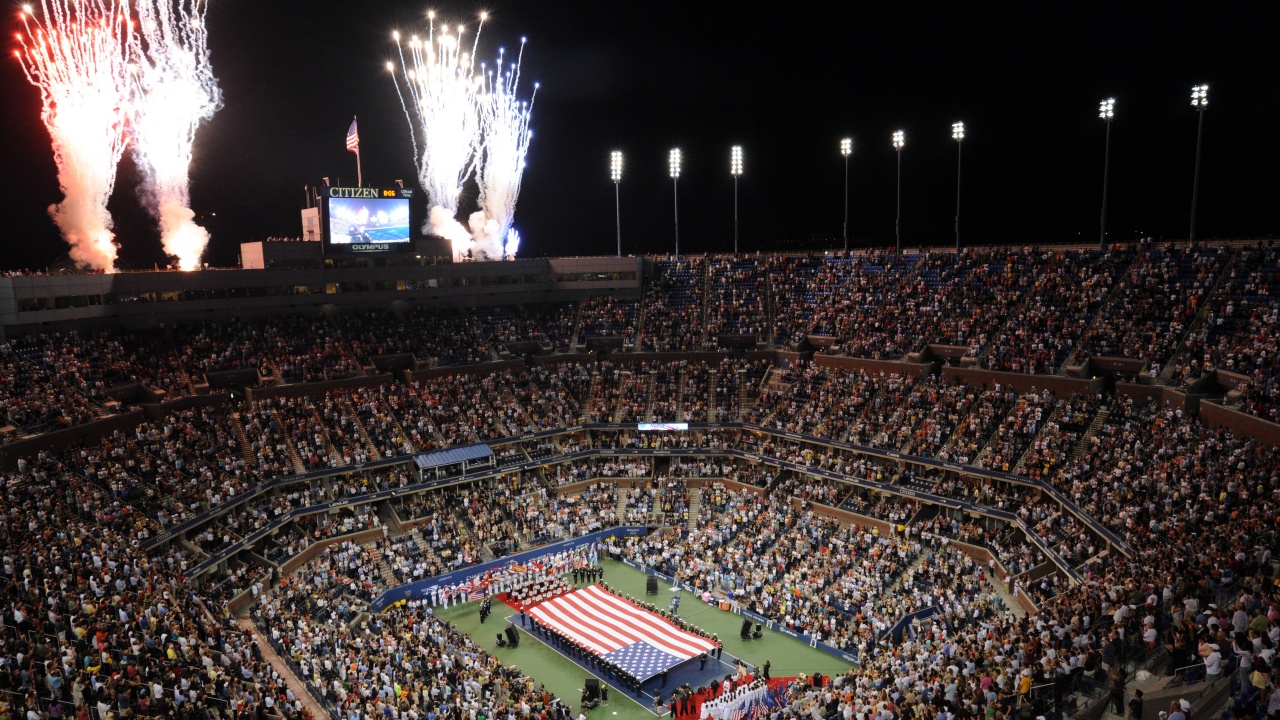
x: 640, y: 642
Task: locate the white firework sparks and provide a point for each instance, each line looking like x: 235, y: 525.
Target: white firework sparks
x: 443, y: 120
x: 78, y: 53
x: 504, y: 144
x: 175, y: 92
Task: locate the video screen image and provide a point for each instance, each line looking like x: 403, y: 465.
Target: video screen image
x: 365, y: 220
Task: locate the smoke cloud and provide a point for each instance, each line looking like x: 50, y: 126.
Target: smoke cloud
x: 442, y: 223
x: 488, y: 236
x: 82, y: 215
x: 182, y: 238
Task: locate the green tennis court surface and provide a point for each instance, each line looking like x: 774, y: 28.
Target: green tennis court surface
x: 787, y: 655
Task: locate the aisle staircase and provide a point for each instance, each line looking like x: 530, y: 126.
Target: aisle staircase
x: 363, y: 432
x: 628, y: 377
x: 1173, y: 361
x: 251, y: 460
x: 640, y: 314
x: 713, y: 405
x: 620, y: 505
x: 1121, y: 282
x: 289, y: 446
x: 681, y: 378
x: 390, y: 520
x: 1020, y: 467
x: 1099, y: 420
x: 706, y: 300
x: 746, y: 400
x: 577, y: 324
x: 313, y: 414
x: 384, y: 570
x: 695, y: 509
x: 650, y: 383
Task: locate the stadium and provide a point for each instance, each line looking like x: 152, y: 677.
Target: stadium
x: 292, y: 491
x: 406, y: 464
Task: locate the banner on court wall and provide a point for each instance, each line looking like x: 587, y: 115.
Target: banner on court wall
x: 422, y: 588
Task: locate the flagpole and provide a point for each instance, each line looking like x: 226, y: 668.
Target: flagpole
x: 359, y: 175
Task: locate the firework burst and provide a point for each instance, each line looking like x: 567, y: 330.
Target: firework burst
x: 78, y: 53
x: 440, y: 105
x: 504, y: 144
x: 175, y: 92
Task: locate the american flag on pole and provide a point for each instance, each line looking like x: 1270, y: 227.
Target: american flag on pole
x: 641, y: 643
x: 476, y: 595
x: 353, y: 137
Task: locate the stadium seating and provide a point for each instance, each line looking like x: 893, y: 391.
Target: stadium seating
x: 124, y: 547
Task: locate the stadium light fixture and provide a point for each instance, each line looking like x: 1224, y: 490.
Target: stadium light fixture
x: 1199, y: 101
x: 615, y: 174
x: 899, y: 142
x: 735, y: 169
x: 846, y: 149
x: 957, y: 133
x: 673, y: 164
x: 1107, y: 112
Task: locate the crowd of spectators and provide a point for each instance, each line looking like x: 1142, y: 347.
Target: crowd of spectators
x: 1153, y: 307
x: 93, y: 628
x: 674, y: 296
x: 349, y: 575
x: 604, y: 316
x: 366, y: 670
x: 1185, y: 311
x: 735, y: 305
x: 1195, y: 504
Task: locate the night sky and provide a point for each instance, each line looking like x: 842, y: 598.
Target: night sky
x: 785, y: 82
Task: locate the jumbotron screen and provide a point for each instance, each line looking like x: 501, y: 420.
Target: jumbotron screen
x: 367, y: 219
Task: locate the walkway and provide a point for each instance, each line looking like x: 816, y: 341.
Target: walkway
x: 293, y: 681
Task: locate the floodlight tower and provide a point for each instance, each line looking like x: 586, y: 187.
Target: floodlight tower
x: 1199, y: 101
x: 1106, y: 111
x: 735, y: 169
x: 846, y: 149
x: 957, y: 133
x: 615, y: 174
x: 899, y: 141
x: 673, y: 164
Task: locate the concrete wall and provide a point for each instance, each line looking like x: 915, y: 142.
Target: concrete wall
x: 893, y: 367
x: 66, y: 437
x: 288, y: 567
x: 1023, y: 382
x: 1217, y: 415
x: 1126, y: 365
x: 886, y: 528
x: 125, y: 298
x: 186, y: 402
x: 481, y: 369
x: 984, y: 556
x: 712, y: 358
x: 1147, y: 394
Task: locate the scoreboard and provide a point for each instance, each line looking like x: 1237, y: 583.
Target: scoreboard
x: 366, y: 220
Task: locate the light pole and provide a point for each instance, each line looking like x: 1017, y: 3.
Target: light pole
x: 899, y: 140
x: 846, y: 149
x: 1106, y: 111
x: 1199, y: 101
x: 735, y: 169
x: 957, y: 132
x: 615, y: 174
x: 673, y: 163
